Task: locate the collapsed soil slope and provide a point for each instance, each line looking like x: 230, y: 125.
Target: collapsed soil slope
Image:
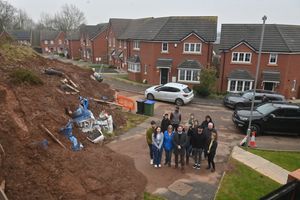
x: 32, y: 172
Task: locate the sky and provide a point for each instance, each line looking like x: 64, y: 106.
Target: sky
x: 228, y: 11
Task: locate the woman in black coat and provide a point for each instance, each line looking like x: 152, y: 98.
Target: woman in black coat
x: 206, y: 121
x: 211, y: 152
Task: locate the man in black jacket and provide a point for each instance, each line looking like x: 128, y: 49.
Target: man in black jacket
x: 199, y: 141
x: 180, y: 141
x: 165, y: 122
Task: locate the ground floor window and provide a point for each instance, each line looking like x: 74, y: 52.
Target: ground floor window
x: 134, y: 67
x: 239, y: 85
x: 190, y: 75
x: 270, y: 85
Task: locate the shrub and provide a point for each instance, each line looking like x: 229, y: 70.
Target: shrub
x: 19, y: 76
x: 201, y: 90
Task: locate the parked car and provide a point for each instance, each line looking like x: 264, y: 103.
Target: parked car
x: 242, y: 100
x: 270, y: 118
x: 178, y: 93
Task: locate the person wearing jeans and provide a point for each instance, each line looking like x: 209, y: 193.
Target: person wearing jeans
x: 168, y: 145
x: 157, y: 143
x: 149, y: 133
x: 198, y: 142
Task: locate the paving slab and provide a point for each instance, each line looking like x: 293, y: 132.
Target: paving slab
x: 261, y: 165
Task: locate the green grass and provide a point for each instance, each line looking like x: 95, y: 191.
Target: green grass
x: 132, y: 120
x: 287, y: 160
x: 20, y: 76
x: 244, y: 183
x: 148, y: 196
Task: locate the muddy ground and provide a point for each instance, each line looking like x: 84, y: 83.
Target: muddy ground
x: 33, y: 171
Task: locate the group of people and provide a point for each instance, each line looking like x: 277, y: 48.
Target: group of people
x: 193, y: 139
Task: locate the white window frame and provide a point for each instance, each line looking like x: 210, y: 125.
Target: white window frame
x: 145, y: 69
x: 238, y: 57
x: 59, y: 41
x: 120, y: 43
x: 134, y: 67
x: 136, y: 45
x: 294, y: 85
x: 51, y: 42
x: 236, y: 81
x: 124, y: 45
x: 114, y: 42
x: 184, y: 70
x: 46, y: 42
x: 276, y: 57
x: 162, y: 47
x: 189, y: 51
x: 109, y: 42
x: 46, y: 49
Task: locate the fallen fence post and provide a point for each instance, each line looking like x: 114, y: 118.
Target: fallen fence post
x: 2, y: 188
x: 53, y: 137
x: 1, y: 147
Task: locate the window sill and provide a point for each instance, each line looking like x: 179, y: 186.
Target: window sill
x: 133, y: 71
x: 191, y: 53
x: 272, y: 65
x: 164, y: 52
x: 136, y: 49
x: 241, y: 63
x: 193, y: 82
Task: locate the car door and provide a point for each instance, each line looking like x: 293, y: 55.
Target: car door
x: 164, y: 93
x: 257, y: 99
x: 291, y: 120
x: 273, y: 122
x: 174, y: 94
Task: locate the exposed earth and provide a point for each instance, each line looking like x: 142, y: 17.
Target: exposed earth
x: 33, y: 171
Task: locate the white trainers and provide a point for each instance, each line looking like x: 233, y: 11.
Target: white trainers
x: 151, y: 162
x: 159, y: 165
x: 155, y: 166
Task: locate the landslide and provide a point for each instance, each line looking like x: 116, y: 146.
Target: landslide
x: 32, y: 171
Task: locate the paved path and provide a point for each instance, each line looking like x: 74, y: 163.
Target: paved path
x: 261, y: 165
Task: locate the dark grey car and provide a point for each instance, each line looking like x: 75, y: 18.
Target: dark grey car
x: 243, y: 100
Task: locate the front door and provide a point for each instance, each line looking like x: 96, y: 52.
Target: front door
x: 269, y: 86
x: 164, y: 72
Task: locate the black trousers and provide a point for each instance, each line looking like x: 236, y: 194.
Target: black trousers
x: 211, y: 160
x: 150, y: 151
x: 181, y: 154
x: 175, y: 126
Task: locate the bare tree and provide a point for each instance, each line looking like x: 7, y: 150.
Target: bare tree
x: 69, y: 18
x: 7, y: 14
x: 46, y: 22
x: 23, y: 21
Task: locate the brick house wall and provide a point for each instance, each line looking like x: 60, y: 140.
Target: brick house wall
x: 150, y: 51
x: 99, y: 48
x: 85, y: 47
x: 287, y: 64
x: 58, y: 45
x: 74, y: 49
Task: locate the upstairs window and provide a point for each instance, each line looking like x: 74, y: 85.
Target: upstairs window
x: 124, y: 44
x: 192, y: 48
x: 164, y: 47
x: 241, y: 57
x: 273, y: 58
x: 120, y: 43
x: 59, y: 42
x: 46, y: 42
x: 136, y: 45
x: 51, y: 42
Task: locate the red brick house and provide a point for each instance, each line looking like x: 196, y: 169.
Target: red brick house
x: 73, y: 45
x: 93, y: 43
x: 280, y: 61
x: 23, y: 37
x: 52, y: 41
x: 161, y: 50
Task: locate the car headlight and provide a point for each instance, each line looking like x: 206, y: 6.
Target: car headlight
x: 244, y: 118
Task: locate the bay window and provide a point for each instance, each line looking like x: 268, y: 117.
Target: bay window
x: 239, y: 85
x: 134, y: 67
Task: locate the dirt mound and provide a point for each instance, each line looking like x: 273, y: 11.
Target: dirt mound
x: 36, y: 171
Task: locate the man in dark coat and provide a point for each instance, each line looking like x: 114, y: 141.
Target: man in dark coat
x: 165, y: 123
x: 180, y: 142
x: 199, y: 141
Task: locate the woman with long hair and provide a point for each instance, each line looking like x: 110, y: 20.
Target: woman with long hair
x: 157, y: 143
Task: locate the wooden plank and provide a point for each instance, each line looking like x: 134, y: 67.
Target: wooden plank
x: 1, y: 147
x: 53, y: 137
x: 72, y: 88
x: 2, y: 193
x: 107, y: 102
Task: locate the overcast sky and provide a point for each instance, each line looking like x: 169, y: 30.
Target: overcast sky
x: 228, y: 11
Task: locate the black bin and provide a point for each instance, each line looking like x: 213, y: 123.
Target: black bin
x: 140, y: 106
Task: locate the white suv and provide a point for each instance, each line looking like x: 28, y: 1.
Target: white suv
x: 178, y: 93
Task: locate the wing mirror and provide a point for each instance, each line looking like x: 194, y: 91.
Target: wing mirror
x: 272, y: 116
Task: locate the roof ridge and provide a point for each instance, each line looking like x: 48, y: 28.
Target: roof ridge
x: 161, y: 27
x: 281, y: 35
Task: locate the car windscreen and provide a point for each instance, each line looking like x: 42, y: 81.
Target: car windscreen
x: 187, y: 90
x: 266, y: 108
x: 248, y: 95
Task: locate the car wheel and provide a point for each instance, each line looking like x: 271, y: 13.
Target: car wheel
x: 150, y: 96
x: 179, y: 102
x: 256, y: 128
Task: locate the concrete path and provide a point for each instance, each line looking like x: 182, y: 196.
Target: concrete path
x: 261, y: 165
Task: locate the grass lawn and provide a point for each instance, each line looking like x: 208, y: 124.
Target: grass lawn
x: 132, y: 120
x: 148, y: 196
x: 287, y: 160
x: 244, y: 183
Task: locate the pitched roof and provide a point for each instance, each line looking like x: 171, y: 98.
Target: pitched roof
x: 164, y: 62
x: 271, y: 76
x: 169, y: 28
x: 74, y: 35
x: 49, y: 34
x: 20, y: 34
x: 93, y: 30
x: 277, y: 38
x: 119, y: 25
x: 240, y: 74
x: 190, y: 64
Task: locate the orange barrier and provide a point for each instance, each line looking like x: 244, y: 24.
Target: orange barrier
x: 126, y: 102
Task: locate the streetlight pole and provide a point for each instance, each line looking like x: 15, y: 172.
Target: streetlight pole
x: 264, y: 18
